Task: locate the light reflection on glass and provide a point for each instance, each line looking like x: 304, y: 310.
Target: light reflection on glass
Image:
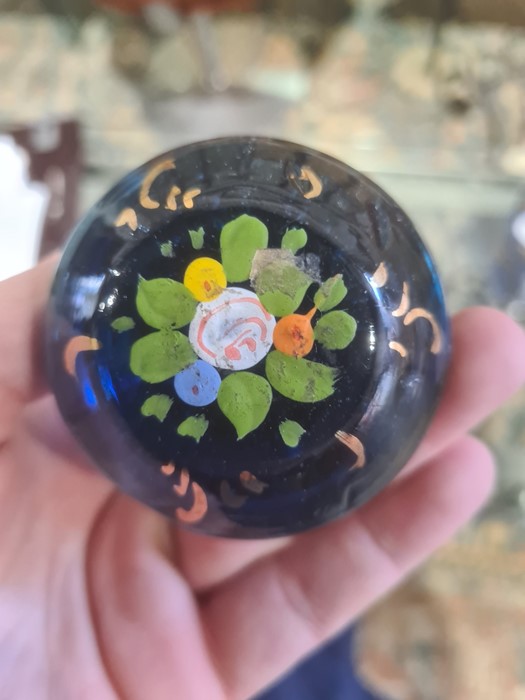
x: 90, y: 398
x: 112, y: 298
x: 372, y: 336
x: 85, y: 296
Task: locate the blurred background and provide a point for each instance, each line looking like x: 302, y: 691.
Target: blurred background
x: 425, y: 96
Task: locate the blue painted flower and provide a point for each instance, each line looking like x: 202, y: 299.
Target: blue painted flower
x: 198, y: 384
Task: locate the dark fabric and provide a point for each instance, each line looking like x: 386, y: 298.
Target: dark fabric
x: 328, y: 675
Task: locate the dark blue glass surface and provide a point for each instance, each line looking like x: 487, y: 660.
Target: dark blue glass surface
x: 388, y: 377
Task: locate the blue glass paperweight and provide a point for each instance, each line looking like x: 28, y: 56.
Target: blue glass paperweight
x: 247, y: 336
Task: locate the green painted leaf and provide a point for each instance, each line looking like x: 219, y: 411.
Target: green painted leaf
x: 335, y: 330
x: 162, y: 303
x: 166, y: 249
x: 161, y: 355
x: 245, y: 400
x: 157, y: 406
x: 294, y: 239
x: 240, y: 239
x: 291, y: 432
x: 278, y: 304
x: 197, y: 238
x: 123, y: 323
x: 330, y: 293
x: 281, y: 287
x: 193, y: 427
x: 299, y: 379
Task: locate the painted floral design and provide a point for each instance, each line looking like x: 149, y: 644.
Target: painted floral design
x: 225, y: 318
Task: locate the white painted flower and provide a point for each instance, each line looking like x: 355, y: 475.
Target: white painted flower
x: 233, y: 331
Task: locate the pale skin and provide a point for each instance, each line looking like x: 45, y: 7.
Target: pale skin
x: 102, y: 598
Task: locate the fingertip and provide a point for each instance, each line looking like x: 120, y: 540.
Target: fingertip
x: 418, y: 514
x: 461, y: 476
x: 487, y: 367
x: 474, y: 456
x: 488, y: 331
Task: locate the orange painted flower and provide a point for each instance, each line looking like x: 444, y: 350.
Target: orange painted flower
x: 294, y: 335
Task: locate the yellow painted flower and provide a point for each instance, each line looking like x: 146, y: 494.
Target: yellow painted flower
x: 205, y: 278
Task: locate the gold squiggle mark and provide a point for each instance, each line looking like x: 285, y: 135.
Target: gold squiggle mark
x: 171, y: 201
x: 80, y: 343
x: 189, y: 196
x: 252, y: 483
x: 380, y: 276
x: 199, y: 508
x: 404, y: 304
x: 127, y: 217
x: 181, y: 489
x: 414, y: 314
x: 355, y: 445
x: 230, y: 498
x: 308, y: 175
x: 398, y: 347
x: 168, y: 469
x: 144, y: 195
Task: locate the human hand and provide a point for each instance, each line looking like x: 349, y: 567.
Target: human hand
x: 101, y: 598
